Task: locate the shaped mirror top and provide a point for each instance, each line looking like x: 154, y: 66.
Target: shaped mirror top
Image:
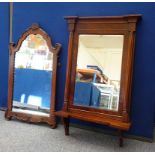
x: 34, y: 54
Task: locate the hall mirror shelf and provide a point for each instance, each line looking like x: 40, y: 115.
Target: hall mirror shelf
x: 32, y: 77
x: 99, y: 71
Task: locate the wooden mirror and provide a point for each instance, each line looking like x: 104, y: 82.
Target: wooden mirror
x: 99, y: 71
x: 32, y: 77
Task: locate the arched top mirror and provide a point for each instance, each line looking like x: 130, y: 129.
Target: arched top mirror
x: 32, y: 77
x: 34, y: 54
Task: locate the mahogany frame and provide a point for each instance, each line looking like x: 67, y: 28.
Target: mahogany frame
x: 51, y: 120
x: 109, y: 25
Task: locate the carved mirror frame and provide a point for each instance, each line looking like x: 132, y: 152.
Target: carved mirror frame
x: 110, y: 25
x: 51, y: 120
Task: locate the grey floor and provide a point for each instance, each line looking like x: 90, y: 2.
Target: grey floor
x: 19, y: 136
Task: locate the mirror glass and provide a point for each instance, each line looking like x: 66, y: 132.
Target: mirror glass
x: 98, y: 71
x: 33, y: 77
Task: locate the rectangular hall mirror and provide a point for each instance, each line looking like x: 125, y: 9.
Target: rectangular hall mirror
x: 98, y: 71
x: 32, y: 77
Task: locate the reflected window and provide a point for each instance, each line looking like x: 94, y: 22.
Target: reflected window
x: 34, y: 100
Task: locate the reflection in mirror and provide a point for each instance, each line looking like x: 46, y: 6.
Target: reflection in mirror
x: 98, y: 71
x: 32, y: 77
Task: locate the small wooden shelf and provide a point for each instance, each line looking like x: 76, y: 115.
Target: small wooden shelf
x: 105, y: 121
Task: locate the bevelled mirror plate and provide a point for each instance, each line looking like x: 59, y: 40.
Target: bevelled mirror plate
x: 32, y: 77
x: 98, y: 71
